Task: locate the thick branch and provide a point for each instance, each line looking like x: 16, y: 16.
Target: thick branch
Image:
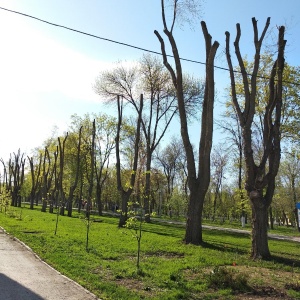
x: 232, y: 80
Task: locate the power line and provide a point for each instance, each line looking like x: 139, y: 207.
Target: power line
x: 128, y: 45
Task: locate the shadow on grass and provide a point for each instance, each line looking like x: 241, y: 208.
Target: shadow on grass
x: 285, y: 261
x: 230, y: 248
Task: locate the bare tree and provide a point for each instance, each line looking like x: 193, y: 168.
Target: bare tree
x: 260, y: 176
x: 46, y: 169
x: 16, y: 167
x: 35, y: 171
x: 198, y: 180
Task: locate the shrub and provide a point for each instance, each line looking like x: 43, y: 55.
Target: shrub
x: 222, y: 277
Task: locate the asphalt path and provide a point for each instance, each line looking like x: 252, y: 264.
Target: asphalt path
x: 242, y: 231
x: 24, y: 276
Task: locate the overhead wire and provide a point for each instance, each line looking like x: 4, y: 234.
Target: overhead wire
x: 126, y: 44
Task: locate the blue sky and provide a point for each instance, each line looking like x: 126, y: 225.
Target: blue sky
x: 47, y: 73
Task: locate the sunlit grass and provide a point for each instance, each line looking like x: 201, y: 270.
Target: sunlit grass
x: 170, y: 269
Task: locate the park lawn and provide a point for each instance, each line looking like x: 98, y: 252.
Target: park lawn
x: 220, y: 269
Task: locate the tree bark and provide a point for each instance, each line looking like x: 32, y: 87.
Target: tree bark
x: 260, y: 248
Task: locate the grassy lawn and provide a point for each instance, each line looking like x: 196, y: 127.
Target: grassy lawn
x: 220, y: 269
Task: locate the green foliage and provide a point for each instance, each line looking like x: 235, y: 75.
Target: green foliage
x: 242, y: 200
x: 290, y: 126
x: 223, y: 278
x: 5, y: 200
x: 178, y: 202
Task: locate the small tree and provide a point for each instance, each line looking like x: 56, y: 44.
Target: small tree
x: 134, y: 222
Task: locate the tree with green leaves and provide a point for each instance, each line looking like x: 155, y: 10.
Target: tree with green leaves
x: 105, y: 131
x: 149, y: 78
x: 289, y: 188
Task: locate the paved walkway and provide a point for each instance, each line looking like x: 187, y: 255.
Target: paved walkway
x: 242, y: 231
x: 23, y: 276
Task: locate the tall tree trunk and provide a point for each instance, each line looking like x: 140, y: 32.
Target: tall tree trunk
x: 260, y: 248
x: 193, y: 233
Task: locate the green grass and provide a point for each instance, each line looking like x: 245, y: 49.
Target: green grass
x: 221, y: 268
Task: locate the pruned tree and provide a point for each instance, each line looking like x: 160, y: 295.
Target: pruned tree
x: 75, y: 183
x: 105, y: 144
x: 46, y: 169
x: 198, y: 178
x: 127, y: 191
x: 16, y: 168
x: 5, y: 175
x: 105, y: 130
x: 61, y: 192
x: 35, y: 171
x: 260, y: 175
